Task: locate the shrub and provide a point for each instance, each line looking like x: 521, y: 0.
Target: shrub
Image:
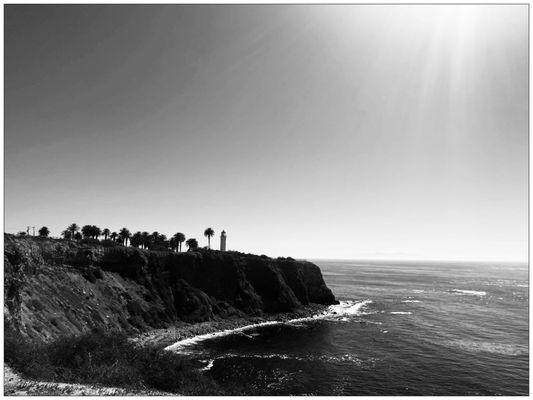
x: 110, y: 243
x: 109, y: 359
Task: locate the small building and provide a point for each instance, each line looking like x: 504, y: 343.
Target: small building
x: 223, y: 241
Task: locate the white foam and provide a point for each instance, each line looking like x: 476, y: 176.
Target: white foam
x: 200, y: 338
x: 208, y: 366
x: 410, y: 301
x: 342, y: 309
x: 491, y: 347
x: 348, y: 307
x: 401, y: 312
x: 470, y: 292
x: 417, y: 291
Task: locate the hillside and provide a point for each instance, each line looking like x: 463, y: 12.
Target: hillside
x: 55, y: 287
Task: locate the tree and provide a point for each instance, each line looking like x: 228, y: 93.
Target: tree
x: 192, y: 244
x: 173, y: 244
x: 66, y: 234
x: 145, y: 239
x: 124, y: 235
x: 180, y: 238
x: 87, y: 231
x: 21, y: 233
x: 136, y: 239
x: 73, y: 228
x: 96, y: 232
x: 114, y: 236
x: 106, y: 232
x: 209, y: 232
x: 78, y: 236
x: 44, y: 232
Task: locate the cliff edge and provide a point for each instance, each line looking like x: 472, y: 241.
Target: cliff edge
x: 57, y: 287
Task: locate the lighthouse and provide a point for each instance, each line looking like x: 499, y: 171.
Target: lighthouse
x: 223, y: 241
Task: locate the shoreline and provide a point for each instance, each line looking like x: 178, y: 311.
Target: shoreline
x: 17, y: 385
x: 166, y: 337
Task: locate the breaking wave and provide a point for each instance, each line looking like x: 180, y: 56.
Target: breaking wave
x: 469, y: 292
x: 337, y: 311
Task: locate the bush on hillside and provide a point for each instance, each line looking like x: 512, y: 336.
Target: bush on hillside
x: 108, y: 359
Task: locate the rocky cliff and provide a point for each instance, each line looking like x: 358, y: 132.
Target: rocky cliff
x: 58, y: 287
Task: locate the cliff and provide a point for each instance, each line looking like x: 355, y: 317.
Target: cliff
x: 57, y: 287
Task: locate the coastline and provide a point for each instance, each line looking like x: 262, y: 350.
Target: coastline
x: 16, y: 385
x: 163, y: 338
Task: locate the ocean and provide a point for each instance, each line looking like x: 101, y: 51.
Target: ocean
x: 402, y: 328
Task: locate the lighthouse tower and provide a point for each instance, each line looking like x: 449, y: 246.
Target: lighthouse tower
x: 223, y: 241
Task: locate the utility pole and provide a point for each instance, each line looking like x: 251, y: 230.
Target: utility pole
x: 33, y: 230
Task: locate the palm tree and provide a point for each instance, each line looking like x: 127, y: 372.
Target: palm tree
x: 87, y: 231
x: 44, y: 232
x: 66, y: 234
x: 77, y: 236
x: 145, y: 239
x: 180, y: 238
x: 136, y: 239
x: 209, y: 232
x: 192, y: 243
x: 96, y: 232
x: 124, y: 235
x: 173, y: 244
x: 114, y: 236
x: 73, y: 228
x: 106, y: 232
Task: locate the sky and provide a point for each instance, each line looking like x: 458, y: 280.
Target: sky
x: 311, y: 131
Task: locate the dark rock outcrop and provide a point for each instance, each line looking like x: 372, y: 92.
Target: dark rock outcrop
x: 57, y: 287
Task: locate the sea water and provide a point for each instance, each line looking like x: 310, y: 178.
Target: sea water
x: 400, y: 329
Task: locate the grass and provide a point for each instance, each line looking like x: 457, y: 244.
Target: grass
x: 109, y: 360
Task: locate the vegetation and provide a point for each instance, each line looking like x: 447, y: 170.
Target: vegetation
x: 110, y: 360
x: 209, y: 232
x: 124, y: 236
x: 180, y: 238
x: 192, y: 243
x: 73, y: 228
x: 136, y: 239
x: 91, y: 234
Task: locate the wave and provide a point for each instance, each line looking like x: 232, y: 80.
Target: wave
x: 208, y: 366
x: 343, y: 358
x: 469, y: 292
x: 348, y: 307
x: 338, y: 312
x: 490, y: 347
x: 410, y: 301
x: 401, y: 312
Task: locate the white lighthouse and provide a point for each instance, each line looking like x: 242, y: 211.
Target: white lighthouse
x: 223, y: 241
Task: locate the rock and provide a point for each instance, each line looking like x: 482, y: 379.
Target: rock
x: 59, y: 287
